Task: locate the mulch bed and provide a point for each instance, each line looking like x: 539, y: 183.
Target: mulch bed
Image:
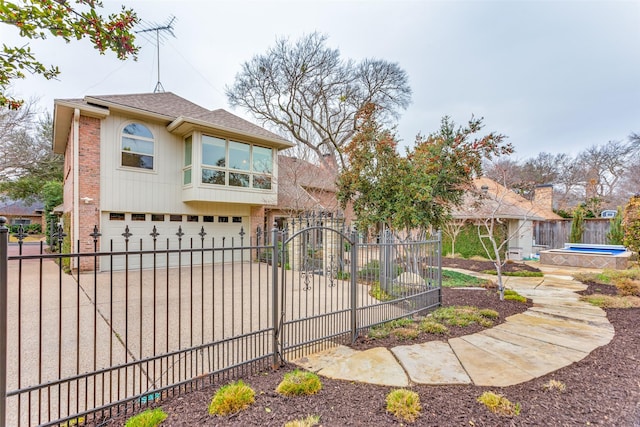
x: 601, y: 389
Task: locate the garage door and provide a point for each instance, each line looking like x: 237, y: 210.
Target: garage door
x: 141, y: 226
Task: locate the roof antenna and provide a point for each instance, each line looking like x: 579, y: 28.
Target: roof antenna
x: 168, y: 27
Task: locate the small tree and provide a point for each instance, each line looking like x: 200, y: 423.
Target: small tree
x: 452, y: 229
x: 615, y: 236
x: 631, y: 224
x: 577, y: 226
x: 499, y: 199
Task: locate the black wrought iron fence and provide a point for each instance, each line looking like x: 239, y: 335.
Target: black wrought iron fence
x: 89, y: 340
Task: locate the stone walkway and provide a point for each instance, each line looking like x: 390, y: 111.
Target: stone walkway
x: 558, y: 330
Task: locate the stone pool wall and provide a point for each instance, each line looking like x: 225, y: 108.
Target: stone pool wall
x: 577, y: 259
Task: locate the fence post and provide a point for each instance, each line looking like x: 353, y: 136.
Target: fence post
x: 274, y: 294
x: 4, y: 265
x: 354, y: 286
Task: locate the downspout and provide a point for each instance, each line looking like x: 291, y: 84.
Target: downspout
x: 76, y: 184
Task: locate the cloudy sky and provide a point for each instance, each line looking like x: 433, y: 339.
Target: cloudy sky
x: 554, y: 76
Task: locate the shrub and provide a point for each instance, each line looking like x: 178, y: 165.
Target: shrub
x: 468, y: 243
x: 299, y: 383
x: 615, y: 236
x: 511, y: 295
x: 380, y: 294
x: 430, y: 326
x: 148, y: 418
x: 406, y: 333
x: 231, y: 398
x: 499, y: 404
x: 631, y: 224
x: 577, y: 225
x: 404, y: 404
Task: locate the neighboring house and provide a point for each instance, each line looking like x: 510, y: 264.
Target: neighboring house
x: 159, y: 160
x: 304, y: 188
x: 19, y: 212
x: 489, y: 199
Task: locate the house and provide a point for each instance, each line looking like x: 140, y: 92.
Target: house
x: 158, y: 160
x: 303, y: 188
x: 19, y: 212
x: 488, y: 199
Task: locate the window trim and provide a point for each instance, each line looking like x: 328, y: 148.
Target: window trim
x: 227, y: 170
x: 120, y: 151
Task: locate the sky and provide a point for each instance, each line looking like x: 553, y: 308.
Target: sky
x: 553, y: 76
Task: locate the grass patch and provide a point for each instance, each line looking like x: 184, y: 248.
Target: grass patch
x: 385, y: 329
x: 522, y: 273
x: 609, y: 301
x: 231, y: 398
x: 299, y: 383
x: 430, y: 326
x: 627, y: 281
x: 511, y: 295
x: 555, y: 385
x: 453, y: 279
x: 406, y: 333
x: 310, y: 421
x: 499, y: 404
x: 404, y: 404
x: 463, y: 316
x: 148, y: 418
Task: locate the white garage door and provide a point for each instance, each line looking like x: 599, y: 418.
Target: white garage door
x: 141, y: 226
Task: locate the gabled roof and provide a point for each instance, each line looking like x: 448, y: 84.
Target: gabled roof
x: 489, y: 198
x: 178, y: 114
x: 20, y: 207
x: 305, y: 186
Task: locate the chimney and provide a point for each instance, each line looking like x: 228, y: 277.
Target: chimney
x: 543, y: 197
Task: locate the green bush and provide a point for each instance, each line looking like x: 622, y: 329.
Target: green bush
x: 468, y: 243
x: 631, y: 224
x: 615, y: 236
x: 299, y: 383
x: 577, y: 226
x: 404, y: 404
x: 231, y: 398
x: 148, y: 418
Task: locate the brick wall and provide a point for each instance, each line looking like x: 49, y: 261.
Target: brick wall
x: 89, y: 184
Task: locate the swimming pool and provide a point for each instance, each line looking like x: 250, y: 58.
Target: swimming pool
x: 587, y: 255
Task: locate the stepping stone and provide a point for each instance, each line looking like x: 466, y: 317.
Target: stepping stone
x: 484, y: 368
x: 320, y: 360
x: 431, y: 363
x: 373, y: 366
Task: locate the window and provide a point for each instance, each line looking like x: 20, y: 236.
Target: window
x: 175, y: 218
x: 157, y: 217
x: 207, y: 218
x: 20, y: 221
x: 116, y: 216
x: 236, y: 164
x: 237, y: 219
x: 137, y: 147
x: 192, y: 218
x: 188, y: 154
x: 223, y: 219
x: 138, y: 217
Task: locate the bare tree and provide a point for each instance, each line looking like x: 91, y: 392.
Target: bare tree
x: 604, y: 167
x: 307, y: 90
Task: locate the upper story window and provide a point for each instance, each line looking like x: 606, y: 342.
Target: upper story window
x: 137, y: 150
x: 186, y: 169
x: 236, y: 164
